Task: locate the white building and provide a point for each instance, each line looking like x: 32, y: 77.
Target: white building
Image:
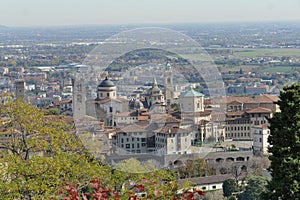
x: 173, y: 140
x: 192, y: 106
x: 191, y: 101
x: 133, y: 139
x: 239, y: 124
x: 107, y: 103
x: 210, y: 131
x: 106, y: 89
x: 260, y: 141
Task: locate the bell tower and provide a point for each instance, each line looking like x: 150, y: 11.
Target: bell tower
x: 168, y: 83
x: 20, y: 88
x: 79, y: 97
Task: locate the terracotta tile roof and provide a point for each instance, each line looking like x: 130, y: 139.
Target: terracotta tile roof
x: 132, y: 129
x: 159, y: 118
x: 267, y: 125
x: 231, y: 99
x: 267, y: 98
x: 143, y: 123
x: 173, y: 130
x: 163, y: 119
x: 126, y: 114
x: 90, y: 118
x: 237, y: 113
x: 259, y: 110
x: 143, y: 118
x: 172, y: 120
x: 205, y: 113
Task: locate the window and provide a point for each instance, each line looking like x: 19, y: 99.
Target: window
x: 110, y: 109
x: 259, y: 139
x: 143, y: 139
x: 138, y: 151
x: 107, y: 94
x: 122, y: 140
x: 143, y: 144
x: 138, y: 145
x: 79, y: 87
x: 127, y: 146
x: 79, y: 98
x: 214, y: 187
x: 132, y: 145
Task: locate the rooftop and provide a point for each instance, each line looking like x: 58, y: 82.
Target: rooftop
x: 191, y: 93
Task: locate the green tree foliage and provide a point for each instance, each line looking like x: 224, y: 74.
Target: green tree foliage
x: 229, y: 186
x: 38, y: 154
x: 255, y: 187
x: 42, y: 159
x: 285, y: 147
x: 195, y: 168
x: 132, y: 165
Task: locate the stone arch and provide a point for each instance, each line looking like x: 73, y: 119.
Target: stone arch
x: 230, y: 159
x: 178, y: 163
x: 240, y: 159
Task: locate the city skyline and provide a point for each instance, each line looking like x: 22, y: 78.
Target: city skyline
x: 92, y: 12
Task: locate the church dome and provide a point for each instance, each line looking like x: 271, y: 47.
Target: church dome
x: 106, y: 83
x: 138, y: 104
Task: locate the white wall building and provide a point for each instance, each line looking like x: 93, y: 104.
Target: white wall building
x: 133, y: 139
x: 173, y: 140
x: 191, y: 101
x: 260, y: 141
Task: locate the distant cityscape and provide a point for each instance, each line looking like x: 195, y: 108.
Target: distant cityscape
x: 153, y: 106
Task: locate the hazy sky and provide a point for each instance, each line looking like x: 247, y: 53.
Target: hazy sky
x: 82, y: 12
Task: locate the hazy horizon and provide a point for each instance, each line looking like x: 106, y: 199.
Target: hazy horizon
x: 130, y: 12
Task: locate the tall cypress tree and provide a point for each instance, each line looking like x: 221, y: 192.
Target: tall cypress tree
x: 285, y: 147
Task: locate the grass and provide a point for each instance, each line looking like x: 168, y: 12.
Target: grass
x: 244, y: 53
x: 280, y: 69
